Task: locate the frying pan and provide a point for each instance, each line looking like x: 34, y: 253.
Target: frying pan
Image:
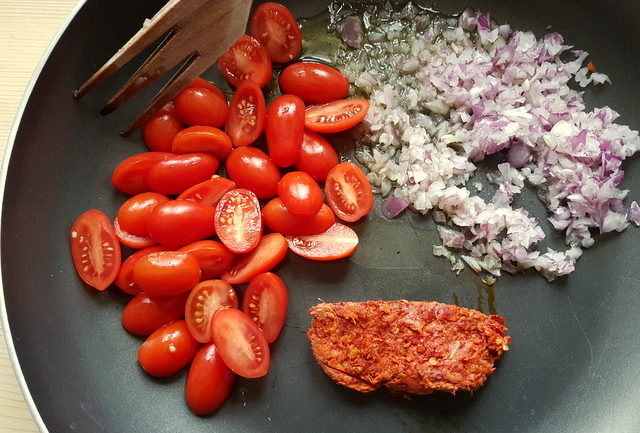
x: 574, y: 362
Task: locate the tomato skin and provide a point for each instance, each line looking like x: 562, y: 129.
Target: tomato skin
x: 129, y: 240
x: 159, y: 131
x: 279, y: 219
x: 238, y: 221
x: 269, y: 252
x: 179, y: 222
x: 284, y: 129
x: 348, y: 192
x: 174, y: 175
x: 247, y: 114
x: 144, y: 314
x: 130, y: 176
x: 336, y: 116
x: 278, y: 31
x: 300, y: 194
x: 336, y: 243
x: 95, y: 249
x: 201, y: 82
x: 214, y: 258
x: 201, y: 106
x: 314, y: 83
x: 166, y: 273
x: 317, y: 156
x: 202, y: 139
x: 206, y: 298
x: 265, y: 302
x: 124, y: 280
x: 208, y: 192
x: 134, y: 213
x: 252, y: 169
x: 209, y: 381
x: 167, y: 350
x: 246, y: 60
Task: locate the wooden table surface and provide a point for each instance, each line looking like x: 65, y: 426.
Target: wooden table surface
x: 26, y: 29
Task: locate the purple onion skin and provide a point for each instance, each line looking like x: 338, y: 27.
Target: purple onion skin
x: 519, y: 155
x: 351, y: 32
x: 393, y: 206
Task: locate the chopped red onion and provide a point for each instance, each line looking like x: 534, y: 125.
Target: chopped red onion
x: 519, y: 155
x: 393, y: 206
x: 351, y: 32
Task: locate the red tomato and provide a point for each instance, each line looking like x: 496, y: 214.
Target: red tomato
x: 240, y: 342
x: 130, y: 176
x: 205, y: 300
x: 166, y: 273
x: 278, y: 31
x: 129, y: 240
x: 209, y: 381
x: 238, y: 220
x: 269, y: 252
x: 314, y: 83
x: 279, y: 219
x: 134, y: 213
x: 201, y: 106
x: 337, y: 242
x: 247, y: 114
x: 316, y: 156
x: 214, y: 257
x: 336, y: 116
x: 348, y: 192
x: 265, y: 302
x: 144, y: 314
x: 167, y: 350
x: 124, y: 280
x: 284, y: 129
x: 251, y: 168
x: 203, y: 139
x: 201, y: 82
x: 174, y: 175
x: 208, y: 192
x: 246, y: 60
x: 95, y: 249
x: 159, y: 131
x: 300, y: 193
x: 179, y: 222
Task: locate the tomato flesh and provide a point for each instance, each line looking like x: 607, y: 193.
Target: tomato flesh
x: 279, y: 219
x: 299, y: 193
x: 129, y: 240
x: 206, y: 298
x: 209, y: 381
x: 124, y: 280
x: 265, y: 302
x: 247, y: 114
x: 167, y: 350
x: 269, y: 252
x: 238, y: 221
x: 348, y: 192
x: 166, y: 273
x: 336, y: 243
x: 214, y: 258
x: 208, y: 192
x: 246, y: 60
x: 284, y: 129
x: 336, y: 116
x: 252, y: 169
x: 144, y: 314
x: 314, y: 83
x: 277, y: 29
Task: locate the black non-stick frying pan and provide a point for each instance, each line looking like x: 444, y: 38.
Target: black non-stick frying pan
x: 574, y: 364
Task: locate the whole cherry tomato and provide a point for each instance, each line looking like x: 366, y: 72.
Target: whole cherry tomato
x: 167, y: 350
x: 209, y: 381
x: 284, y: 129
x: 159, y: 131
x: 252, y: 169
x: 179, y: 172
x: 316, y: 156
x: 166, y: 273
x: 144, y: 314
x: 179, y: 222
x: 314, y: 83
x: 124, y: 280
x: 279, y: 219
x: 203, y: 139
x: 134, y: 213
x: 201, y: 106
x: 300, y: 193
x: 130, y: 176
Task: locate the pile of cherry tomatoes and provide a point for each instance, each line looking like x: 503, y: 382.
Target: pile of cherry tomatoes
x: 197, y: 233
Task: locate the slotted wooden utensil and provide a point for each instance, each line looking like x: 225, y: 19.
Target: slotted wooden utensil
x: 196, y: 33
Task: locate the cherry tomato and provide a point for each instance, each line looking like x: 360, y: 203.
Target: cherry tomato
x: 134, y: 213
x: 300, y: 193
x: 95, y: 249
x: 269, y: 252
x: 246, y: 60
x: 337, y: 242
x: 201, y: 106
x: 208, y: 192
x: 247, y: 114
x: 278, y: 31
x: 129, y: 240
x: 209, y: 381
x: 238, y: 220
x: 336, y: 116
x: 203, y: 139
x: 316, y: 156
x: 130, y: 176
x: 144, y: 314
x: 179, y: 222
x: 348, y: 192
x: 265, y: 302
x: 167, y: 350
x: 252, y: 169
x: 214, y: 257
x: 201, y: 82
x: 284, y: 129
x: 124, y: 280
x: 206, y: 298
x: 166, y: 273
x: 174, y: 175
x: 314, y: 83
x: 159, y: 131
x: 276, y: 216
x: 240, y: 342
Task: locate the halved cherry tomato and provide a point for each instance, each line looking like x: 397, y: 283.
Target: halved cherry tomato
x: 238, y: 220
x: 209, y: 381
x: 95, y: 249
x: 276, y: 28
x: 129, y: 240
x: 159, y: 131
x: 265, y: 302
x: 284, y: 129
x: 348, y: 192
x: 314, y: 83
x: 252, y: 169
x: 167, y: 350
x: 276, y: 216
x: 269, y: 252
x: 174, y: 175
x: 130, y: 176
x: 166, y: 273
x: 299, y: 193
x: 316, y: 156
x: 179, y: 222
x: 240, y: 342
x: 134, y: 213
x: 124, y: 280
x: 201, y: 106
x: 206, y: 298
x: 203, y: 139
x: 337, y: 242
x: 201, y: 82
x: 144, y: 314
x: 213, y: 256
x: 336, y: 116
x: 247, y: 114
x: 246, y: 60
x: 208, y: 192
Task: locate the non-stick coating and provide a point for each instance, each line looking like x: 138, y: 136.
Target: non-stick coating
x: 574, y: 365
